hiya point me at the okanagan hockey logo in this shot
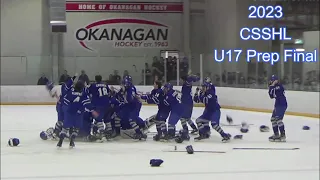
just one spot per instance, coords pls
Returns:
(125, 33)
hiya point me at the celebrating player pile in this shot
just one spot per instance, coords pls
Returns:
(98, 113)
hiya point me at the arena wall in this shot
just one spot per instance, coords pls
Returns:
(300, 103)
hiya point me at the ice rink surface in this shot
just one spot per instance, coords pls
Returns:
(128, 160)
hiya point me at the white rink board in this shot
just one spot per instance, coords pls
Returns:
(300, 103)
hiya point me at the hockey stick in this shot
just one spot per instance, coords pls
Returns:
(128, 135)
(266, 148)
(199, 151)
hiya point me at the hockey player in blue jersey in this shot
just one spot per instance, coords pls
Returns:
(276, 91)
(208, 80)
(65, 87)
(132, 107)
(100, 99)
(211, 113)
(173, 100)
(157, 97)
(53, 133)
(115, 112)
(187, 101)
(75, 102)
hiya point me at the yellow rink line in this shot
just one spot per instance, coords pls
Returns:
(317, 116)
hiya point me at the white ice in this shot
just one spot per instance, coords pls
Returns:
(127, 160)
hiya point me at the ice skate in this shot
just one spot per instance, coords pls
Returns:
(194, 132)
(274, 138)
(167, 137)
(71, 144)
(140, 136)
(226, 138)
(202, 137)
(283, 137)
(59, 144)
(157, 137)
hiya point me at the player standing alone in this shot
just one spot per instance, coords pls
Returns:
(276, 91)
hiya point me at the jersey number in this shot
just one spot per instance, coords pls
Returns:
(77, 99)
(273, 92)
(103, 91)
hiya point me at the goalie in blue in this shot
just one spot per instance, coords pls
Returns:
(276, 91)
(187, 101)
(211, 113)
(157, 97)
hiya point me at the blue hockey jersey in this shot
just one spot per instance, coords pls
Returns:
(186, 97)
(173, 99)
(100, 94)
(277, 92)
(65, 87)
(77, 102)
(209, 99)
(156, 97)
(129, 96)
(116, 104)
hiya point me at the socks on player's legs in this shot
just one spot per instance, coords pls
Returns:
(191, 124)
(184, 124)
(217, 127)
(164, 129)
(281, 126)
(58, 127)
(135, 126)
(158, 127)
(62, 135)
(117, 125)
(275, 126)
(203, 126)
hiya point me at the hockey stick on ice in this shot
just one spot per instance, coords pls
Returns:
(199, 151)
